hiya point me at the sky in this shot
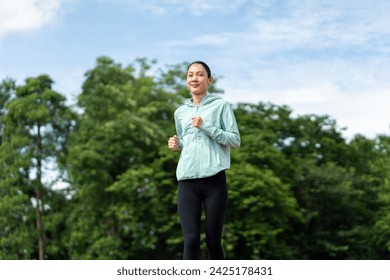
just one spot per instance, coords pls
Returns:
(329, 57)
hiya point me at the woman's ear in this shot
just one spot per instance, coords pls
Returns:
(210, 80)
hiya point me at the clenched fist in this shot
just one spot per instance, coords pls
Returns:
(174, 143)
(197, 122)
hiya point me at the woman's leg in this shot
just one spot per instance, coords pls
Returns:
(189, 208)
(215, 207)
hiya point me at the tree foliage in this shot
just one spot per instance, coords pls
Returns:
(35, 123)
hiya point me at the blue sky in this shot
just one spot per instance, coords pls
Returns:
(322, 57)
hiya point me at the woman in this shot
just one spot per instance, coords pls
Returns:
(206, 129)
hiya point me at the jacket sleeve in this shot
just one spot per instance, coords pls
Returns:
(179, 130)
(227, 135)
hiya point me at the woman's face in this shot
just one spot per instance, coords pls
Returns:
(197, 80)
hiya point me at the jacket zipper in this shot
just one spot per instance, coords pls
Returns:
(197, 167)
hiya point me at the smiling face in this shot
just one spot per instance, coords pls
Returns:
(197, 79)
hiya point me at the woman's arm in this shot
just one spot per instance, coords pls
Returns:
(228, 134)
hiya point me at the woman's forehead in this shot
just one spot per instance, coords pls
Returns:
(196, 68)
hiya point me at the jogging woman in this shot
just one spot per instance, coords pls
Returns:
(206, 130)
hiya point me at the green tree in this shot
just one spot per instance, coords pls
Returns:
(262, 209)
(36, 123)
(310, 157)
(371, 162)
(7, 88)
(124, 119)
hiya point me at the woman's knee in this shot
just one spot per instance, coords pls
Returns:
(191, 241)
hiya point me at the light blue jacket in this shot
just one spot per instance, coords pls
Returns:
(205, 151)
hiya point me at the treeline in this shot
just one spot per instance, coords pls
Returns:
(97, 181)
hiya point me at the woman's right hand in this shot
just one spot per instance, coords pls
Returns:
(174, 143)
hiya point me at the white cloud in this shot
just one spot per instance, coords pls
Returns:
(216, 40)
(354, 93)
(322, 24)
(302, 25)
(194, 7)
(26, 15)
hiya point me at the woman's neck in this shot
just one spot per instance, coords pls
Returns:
(197, 98)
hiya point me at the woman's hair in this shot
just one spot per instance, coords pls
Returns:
(204, 65)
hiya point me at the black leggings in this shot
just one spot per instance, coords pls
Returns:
(212, 193)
